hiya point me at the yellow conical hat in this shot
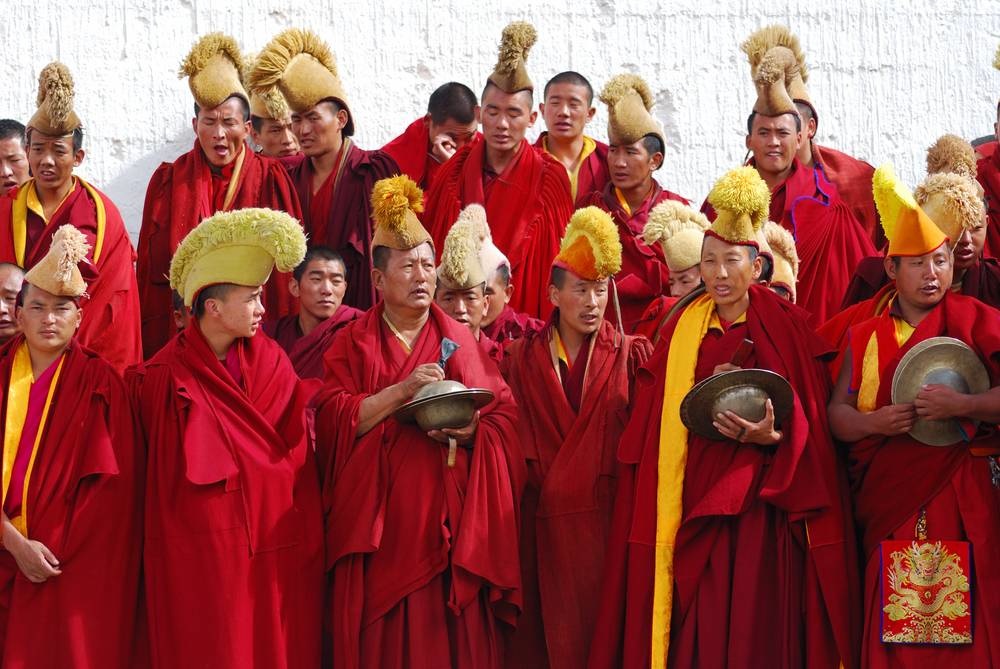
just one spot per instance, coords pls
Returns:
(951, 153)
(59, 271)
(510, 74)
(214, 69)
(953, 202)
(396, 201)
(777, 67)
(461, 265)
(760, 42)
(741, 200)
(629, 102)
(784, 255)
(590, 247)
(909, 230)
(679, 230)
(55, 116)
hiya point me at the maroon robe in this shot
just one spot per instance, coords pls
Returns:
(654, 318)
(988, 174)
(412, 155)
(510, 326)
(592, 175)
(306, 351)
(853, 179)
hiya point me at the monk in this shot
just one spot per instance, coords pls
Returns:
(567, 108)
(731, 552)
(218, 174)
(573, 385)
(233, 552)
(333, 177)
(525, 192)
(905, 490)
(54, 197)
(988, 174)
(502, 324)
(13, 156)
(319, 285)
(422, 556)
(451, 122)
(272, 133)
(72, 484)
(11, 278)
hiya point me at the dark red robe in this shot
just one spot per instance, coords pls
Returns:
(412, 155)
(988, 174)
(179, 196)
(511, 325)
(110, 325)
(766, 534)
(853, 179)
(306, 351)
(528, 207)
(566, 508)
(233, 557)
(422, 557)
(894, 477)
(592, 175)
(651, 323)
(85, 505)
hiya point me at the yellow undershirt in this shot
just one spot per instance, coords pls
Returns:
(35, 205)
(589, 146)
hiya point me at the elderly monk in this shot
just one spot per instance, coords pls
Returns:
(72, 483)
(422, 555)
(525, 192)
(13, 157)
(333, 177)
(912, 500)
(451, 122)
(233, 553)
(573, 384)
(319, 283)
(11, 278)
(54, 197)
(567, 108)
(218, 174)
(739, 551)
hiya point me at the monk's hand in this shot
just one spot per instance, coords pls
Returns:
(443, 147)
(463, 435)
(892, 420)
(937, 402)
(33, 558)
(744, 431)
(725, 367)
(420, 377)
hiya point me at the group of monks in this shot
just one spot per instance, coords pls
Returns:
(209, 456)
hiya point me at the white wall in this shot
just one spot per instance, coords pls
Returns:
(887, 78)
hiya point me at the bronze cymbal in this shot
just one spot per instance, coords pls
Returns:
(742, 391)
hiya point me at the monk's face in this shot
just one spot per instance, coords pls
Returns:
(319, 129)
(48, 321)
(581, 303)
(969, 247)
(13, 163)
(683, 282)
(631, 165)
(11, 278)
(922, 281)
(321, 288)
(567, 110)
(728, 271)
(498, 294)
(774, 141)
(450, 133)
(52, 160)
(467, 306)
(506, 118)
(236, 313)
(276, 139)
(408, 281)
(222, 131)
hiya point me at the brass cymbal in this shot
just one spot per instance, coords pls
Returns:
(443, 404)
(742, 391)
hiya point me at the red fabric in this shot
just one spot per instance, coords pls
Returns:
(423, 557)
(347, 225)
(988, 173)
(652, 320)
(411, 152)
(490, 348)
(527, 207)
(593, 175)
(511, 325)
(894, 477)
(85, 505)
(306, 352)
(758, 525)
(853, 179)
(566, 509)
(233, 551)
(110, 325)
(178, 198)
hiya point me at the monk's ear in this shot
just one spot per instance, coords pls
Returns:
(194, 125)
(811, 128)
(758, 268)
(508, 292)
(554, 296)
(343, 117)
(78, 157)
(293, 287)
(890, 268)
(746, 142)
(532, 118)
(378, 279)
(590, 114)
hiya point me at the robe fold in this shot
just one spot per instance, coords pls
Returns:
(233, 556)
(894, 477)
(527, 206)
(764, 561)
(110, 324)
(591, 174)
(566, 509)
(423, 558)
(853, 179)
(988, 174)
(180, 195)
(650, 324)
(83, 500)
(306, 351)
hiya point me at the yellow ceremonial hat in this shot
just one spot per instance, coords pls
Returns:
(910, 231)
(301, 66)
(679, 230)
(461, 265)
(510, 74)
(213, 68)
(396, 201)
(55, 116)
(777, 67)
(954, 202)
(268, 104)
(741, 200)
(951, 153)
(629, 102)
(59, 271)
(241, 247)
(491, 257)
(784, 255)
(759, 43)
(590, 247)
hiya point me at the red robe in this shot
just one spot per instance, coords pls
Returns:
(422, 557)
(592, 175)
(233, 557)
(510, 326)
(766, 534)
(894, 477)
(179, 196)
(654, 318)
(527, 207)
(84, 503)
(988, 173)
(306, 351)
(338, 214)
(566, 509)
(853, 179)
(411, 153)
(644, 275)
(110, 324)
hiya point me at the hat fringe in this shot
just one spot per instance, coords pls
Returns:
(958, 194)
(669, 218)
(619, 86)
(55, 90)
(890, 198)
(742, 192)
(72, 247)
(951, 153)
(515, 43)
(758, 44)
(275, 57)
(392, 198)
(206, 48)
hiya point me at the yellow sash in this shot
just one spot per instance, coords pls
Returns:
(871, 373)
(234, 181)
(19, 222)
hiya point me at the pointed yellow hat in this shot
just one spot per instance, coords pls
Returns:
(629, 102)
(777, 67)
(267, 104)
(510, 74)
(214, 69)
(396, 201)
(590, 248)
(680, 232)
(760, 42)
(953, 202)
(461, 265)
(55, 116)
(910, 231)
(59, 271)
(784, 255)
(741, 200)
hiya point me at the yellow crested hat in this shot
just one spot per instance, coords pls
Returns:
(759, 43)
(777, 67)
(784, 255)
(59, 271)
(590, 247)
(461, 263)
(214, 67)
(396, 201)
(910, 231)
(629, 102)
(742, 201)
(55, 116)
(952, 201)
(510, 74)
(679, 230)
(267, 104)
(241, 247)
